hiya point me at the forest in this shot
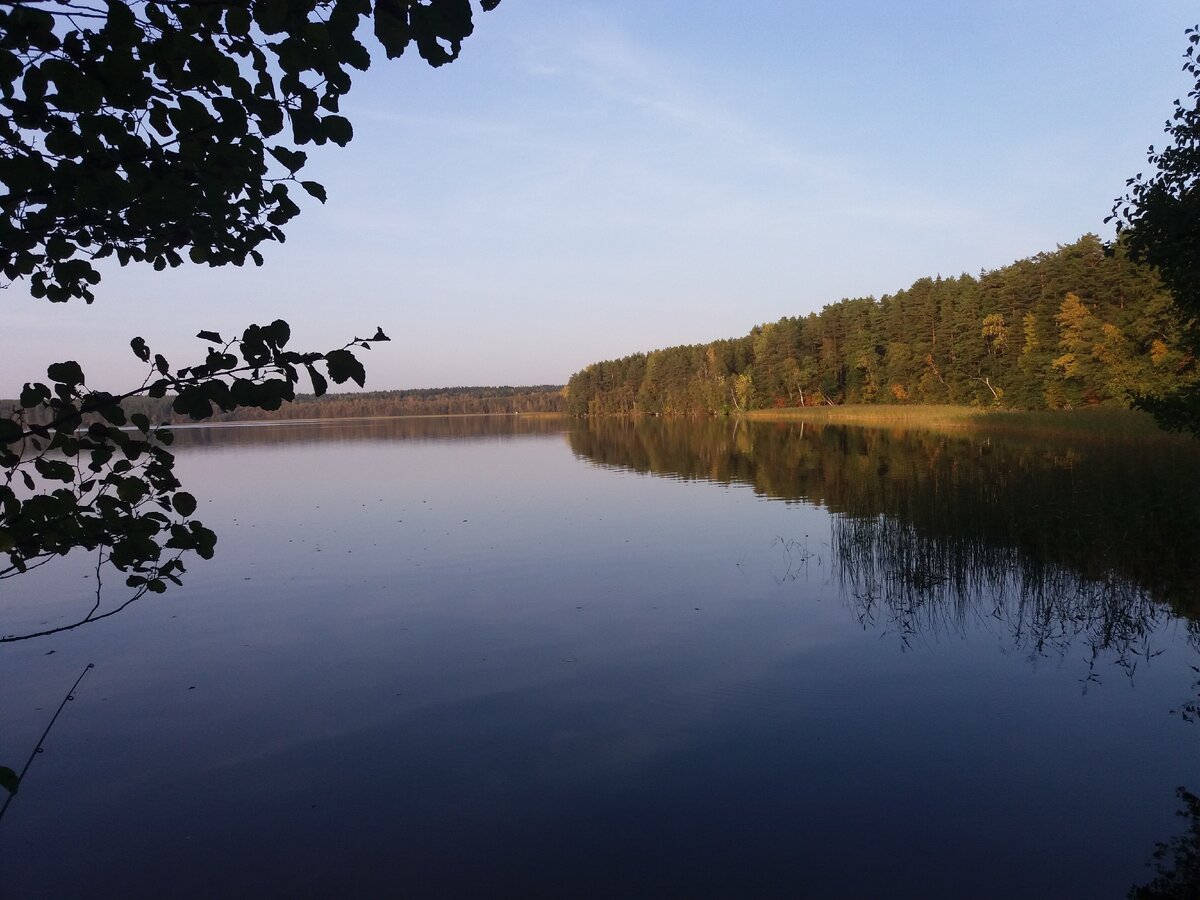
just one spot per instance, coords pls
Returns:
(1080, 326)
(452, 401)
(542, 398)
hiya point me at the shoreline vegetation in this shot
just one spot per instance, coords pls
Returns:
(549, 403)
(1081, 326)
(1095, 423)
(1098, 422)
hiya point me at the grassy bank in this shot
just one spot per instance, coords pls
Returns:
(1093, 422)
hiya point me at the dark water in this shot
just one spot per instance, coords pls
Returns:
(491, 658)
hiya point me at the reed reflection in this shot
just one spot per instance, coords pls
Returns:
(1058, 543)
(1056, 539)
(900, 580)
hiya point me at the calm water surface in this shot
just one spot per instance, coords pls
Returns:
(474, 657)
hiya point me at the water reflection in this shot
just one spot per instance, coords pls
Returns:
(1050, 541)
(1054, 543)
(1176, 861)
(596, 682)
(921, 586)
(399, 428)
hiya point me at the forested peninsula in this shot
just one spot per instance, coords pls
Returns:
(1080, 326)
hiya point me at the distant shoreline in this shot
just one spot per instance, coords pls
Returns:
(323, 420)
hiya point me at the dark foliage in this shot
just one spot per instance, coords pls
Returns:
(1177, 860)
(79, 473)
(147, 131)
(1159, 219)
(153, 130)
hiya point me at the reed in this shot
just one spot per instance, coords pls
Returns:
(1095, 422)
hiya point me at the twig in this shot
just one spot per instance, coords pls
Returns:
(45, 734)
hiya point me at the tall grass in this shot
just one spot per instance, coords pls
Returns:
(1093, 422)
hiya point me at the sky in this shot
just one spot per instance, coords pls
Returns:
(594, 179)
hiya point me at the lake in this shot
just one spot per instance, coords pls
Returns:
(505, 657)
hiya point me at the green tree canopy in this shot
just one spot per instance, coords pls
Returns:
(1159, 220)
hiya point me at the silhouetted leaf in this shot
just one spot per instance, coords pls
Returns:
(338, 129)
(193, 404)
(320, 385)
(278, 333)
(131, 490)
(293, 160)
(184, 503)
(34, 394)
(67, 372)
(344, 366)
(54, 469)
(315, 189)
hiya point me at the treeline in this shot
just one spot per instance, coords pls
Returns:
(543, 398)
(1080, 326)
(455, 401)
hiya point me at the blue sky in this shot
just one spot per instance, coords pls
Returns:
(591, 179)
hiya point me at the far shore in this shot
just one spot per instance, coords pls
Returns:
(1096, 422)
(318, 420)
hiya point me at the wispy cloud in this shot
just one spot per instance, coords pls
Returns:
(715, 121)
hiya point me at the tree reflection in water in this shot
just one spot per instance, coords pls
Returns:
(1176, 861)
(1056, 542)
(1060, 537)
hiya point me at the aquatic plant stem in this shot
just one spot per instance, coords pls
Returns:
(45, 734)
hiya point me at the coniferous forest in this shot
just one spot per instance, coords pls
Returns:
(1080, 326)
